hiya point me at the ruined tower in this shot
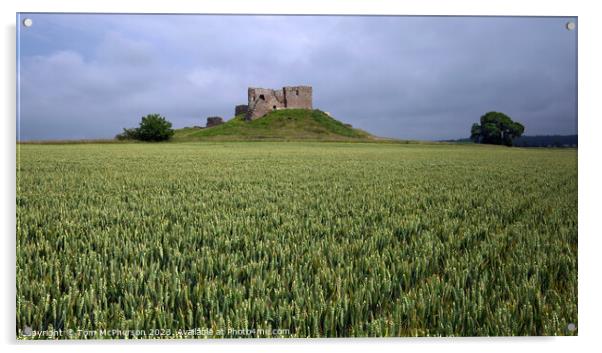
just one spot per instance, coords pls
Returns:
(263, 100)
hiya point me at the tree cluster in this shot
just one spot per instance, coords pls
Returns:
(153, 127)
(497, 129)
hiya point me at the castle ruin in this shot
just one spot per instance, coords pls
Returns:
(214, 121)
(263, 100)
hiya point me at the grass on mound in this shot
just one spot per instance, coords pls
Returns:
(289, 124)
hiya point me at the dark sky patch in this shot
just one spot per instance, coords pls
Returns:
(88, 76)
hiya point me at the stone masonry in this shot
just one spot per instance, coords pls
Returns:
(241, 109)
(264, 100)
(214, 121)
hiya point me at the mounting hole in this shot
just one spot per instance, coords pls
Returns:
(571, 327)
(570, 25)
(28, 22)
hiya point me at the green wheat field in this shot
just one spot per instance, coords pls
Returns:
(287, 239)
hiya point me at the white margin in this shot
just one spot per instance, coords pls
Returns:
(590, 233)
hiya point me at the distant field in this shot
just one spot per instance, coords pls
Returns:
(320, 239)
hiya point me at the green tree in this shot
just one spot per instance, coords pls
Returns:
(497, 129)
(128, 134)
(153, 127)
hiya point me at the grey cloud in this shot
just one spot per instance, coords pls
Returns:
(406, 77)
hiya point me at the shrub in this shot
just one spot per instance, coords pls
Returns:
(153, 127)
(128, 134)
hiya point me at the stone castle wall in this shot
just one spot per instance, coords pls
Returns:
(241, 109)
(263, 100)
(298, 97)
(214, 121)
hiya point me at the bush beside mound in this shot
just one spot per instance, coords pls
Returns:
(153, 128)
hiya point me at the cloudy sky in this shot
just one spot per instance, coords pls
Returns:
(88, 76)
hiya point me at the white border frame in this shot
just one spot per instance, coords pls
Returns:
(589, 171)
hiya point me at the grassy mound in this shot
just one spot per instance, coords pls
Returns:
(288, 124)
